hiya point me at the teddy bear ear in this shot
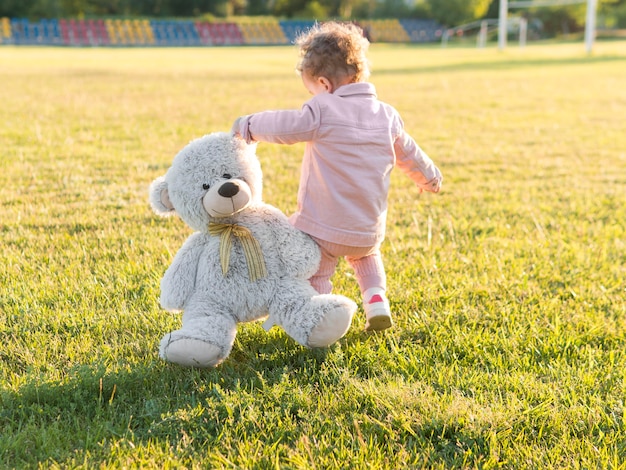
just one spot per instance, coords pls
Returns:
(159, 197)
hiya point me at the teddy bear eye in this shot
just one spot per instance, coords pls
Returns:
(227, 176)
(206, 186)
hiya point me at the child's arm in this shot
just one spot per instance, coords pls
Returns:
(179, 280)
(279, 127)
(418, 166)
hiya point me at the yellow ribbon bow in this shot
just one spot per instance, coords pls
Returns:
(250, 245)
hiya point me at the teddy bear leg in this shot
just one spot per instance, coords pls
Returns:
(189, 352)
(335, 322)
(201, 343)
(313, 320)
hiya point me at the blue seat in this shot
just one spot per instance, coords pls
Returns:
(49, 32)
(173, 34)
(54, 31)
(45, 32)
(422, 30)
(33, 34)
(189, 33)
(162, 32)
(292, 29)
(156, 31)
(17, 30)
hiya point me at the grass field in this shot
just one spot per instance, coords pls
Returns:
(508, 287)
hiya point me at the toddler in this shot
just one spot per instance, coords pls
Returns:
(353, 141)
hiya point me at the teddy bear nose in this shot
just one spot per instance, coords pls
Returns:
(228, 189)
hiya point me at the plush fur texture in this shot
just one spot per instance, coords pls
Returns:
(218, 179)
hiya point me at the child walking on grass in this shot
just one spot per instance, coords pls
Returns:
(353, 141)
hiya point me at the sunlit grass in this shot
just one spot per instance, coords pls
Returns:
(508, 286)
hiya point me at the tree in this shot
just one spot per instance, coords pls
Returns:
(288, 8)
(15, 8)
(619, 13)
(456, 12)
(391, 9)
(257, 7)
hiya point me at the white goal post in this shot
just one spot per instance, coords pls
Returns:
(590, 21)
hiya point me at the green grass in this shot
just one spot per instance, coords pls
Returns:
(508, 287)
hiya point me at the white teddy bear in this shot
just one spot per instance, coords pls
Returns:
(243, 262)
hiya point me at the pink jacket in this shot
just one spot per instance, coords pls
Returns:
(353, 141)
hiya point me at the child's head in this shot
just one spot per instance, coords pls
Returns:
(334, 51)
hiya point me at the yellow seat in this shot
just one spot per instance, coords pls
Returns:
(5, 29)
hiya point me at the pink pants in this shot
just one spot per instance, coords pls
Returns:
(366, 261)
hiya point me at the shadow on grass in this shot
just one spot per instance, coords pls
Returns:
(93, 412)
(93, 407)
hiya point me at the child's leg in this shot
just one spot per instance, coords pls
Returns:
(370, 274)
(321, 279)
(369, 271)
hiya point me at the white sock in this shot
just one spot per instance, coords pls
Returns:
(371, 292)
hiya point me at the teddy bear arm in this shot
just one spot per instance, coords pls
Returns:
(298, 253)
(179, 280)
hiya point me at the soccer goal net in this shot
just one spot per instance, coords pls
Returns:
(505, 5)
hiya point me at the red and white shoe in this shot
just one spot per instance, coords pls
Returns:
(377, 311)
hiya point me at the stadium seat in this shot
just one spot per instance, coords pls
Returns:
(5, 31)
(218, 34)
(136, 32)
(422, 30)
(249, 33)
(97, 33)
(110, 28)
(72, 33)
(44, 32)
(157, 31)
(35, 33)
(202, 27)
(127, 33)
(292, 29)
(189, 33)
(51, 32)
(64, 31)
(384, 31)
(262, 33)
(175, 33)
(78, 32)
(18, 30)
(120, 32)
(81, 31)
(144, 32)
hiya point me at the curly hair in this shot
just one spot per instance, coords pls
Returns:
(334, 50)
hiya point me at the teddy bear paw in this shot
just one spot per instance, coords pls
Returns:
(333, 326)
(189, 352)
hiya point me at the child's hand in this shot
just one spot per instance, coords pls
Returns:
(235, 129)
(433, 186)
